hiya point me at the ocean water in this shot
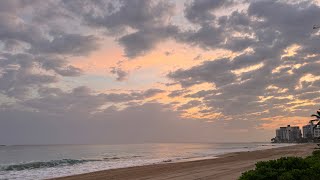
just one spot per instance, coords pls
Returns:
(48, 161)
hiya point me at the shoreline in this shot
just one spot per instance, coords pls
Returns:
(225, 166)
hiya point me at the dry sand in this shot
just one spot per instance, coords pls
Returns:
(228, 166)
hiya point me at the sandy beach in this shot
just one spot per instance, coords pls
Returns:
(225, 167)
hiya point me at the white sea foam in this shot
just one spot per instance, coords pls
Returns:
(44, 173)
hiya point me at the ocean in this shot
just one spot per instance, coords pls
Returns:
(49, 161)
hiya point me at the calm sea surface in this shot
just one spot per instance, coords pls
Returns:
(47, 161)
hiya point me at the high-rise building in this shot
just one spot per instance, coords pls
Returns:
(312, 130)
(293, 133)
(316, 132)
(281, 134)
(307, 131)
(288, 134)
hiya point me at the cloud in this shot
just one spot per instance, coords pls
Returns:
(38, 51)
(177, 93)
(135, 95)
(157, 123)
(190, 104)
(217, 72)
(14, 28)
(67, 44)
(59, 66)
(168, 53)
(152, 92)
(141, 42)
(266, 30)
(121, 74)
(82, 99)
(201, 11)
(206, 37)
(17, 78)
(122, 14)
(138, 24)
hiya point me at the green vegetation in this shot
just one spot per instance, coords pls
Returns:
(286, 168)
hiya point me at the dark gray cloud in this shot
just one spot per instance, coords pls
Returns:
(289, 19)
(41, 38)
(138, 24)
(121, 14)
(58, 65)
(17, 78)
(178, 93)
(206, 37)
(215, 31)
(190, 104)
(13, 28)
(67, 44)
(142, 41)
(135, 95)
(239, 44)
(202, 11)
(217, 72)
(82, 99)
(152, 92)
(121, 75)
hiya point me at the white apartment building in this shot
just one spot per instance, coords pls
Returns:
(289, 134)
(307, 131)
(316, 132)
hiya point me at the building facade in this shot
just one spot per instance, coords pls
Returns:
(292, 134)
(316, 132)
(307, 131)
(288, 134)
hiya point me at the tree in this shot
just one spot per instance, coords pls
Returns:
(316, 115)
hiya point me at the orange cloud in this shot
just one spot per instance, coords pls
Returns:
(275, 122)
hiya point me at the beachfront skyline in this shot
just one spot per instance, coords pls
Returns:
(134, 71)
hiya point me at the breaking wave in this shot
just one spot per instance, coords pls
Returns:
(120, 157)
(46, 164)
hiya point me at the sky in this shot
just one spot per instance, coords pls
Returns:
(141, 71)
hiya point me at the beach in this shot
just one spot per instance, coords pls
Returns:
(227, 166)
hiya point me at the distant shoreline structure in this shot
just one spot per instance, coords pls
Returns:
(292, 134)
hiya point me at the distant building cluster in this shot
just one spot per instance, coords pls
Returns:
(288, 134)
(292, 134)
(311, 130)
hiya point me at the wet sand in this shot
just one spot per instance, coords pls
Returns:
(228, 166)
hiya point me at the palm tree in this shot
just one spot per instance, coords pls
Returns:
(318, 123)
(316, 115)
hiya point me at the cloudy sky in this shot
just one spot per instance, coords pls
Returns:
(135, 71)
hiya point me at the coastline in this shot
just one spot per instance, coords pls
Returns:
(226, 166)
